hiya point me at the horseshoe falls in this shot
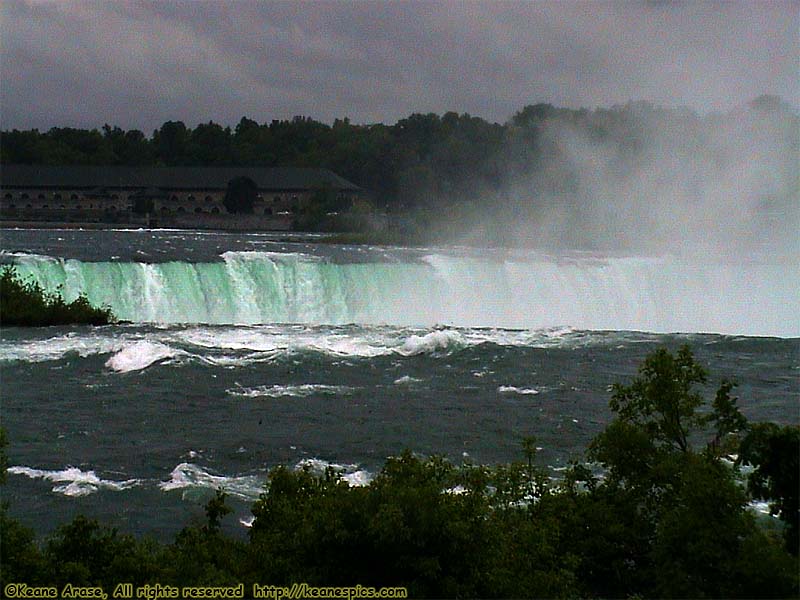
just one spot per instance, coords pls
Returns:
(661, 294)
(240, 352)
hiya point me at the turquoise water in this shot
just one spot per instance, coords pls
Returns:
(245, 352)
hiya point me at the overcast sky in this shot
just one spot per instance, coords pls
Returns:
(138, 64)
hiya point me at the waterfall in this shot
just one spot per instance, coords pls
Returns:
(660, 294)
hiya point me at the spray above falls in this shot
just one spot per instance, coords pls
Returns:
(634, 178)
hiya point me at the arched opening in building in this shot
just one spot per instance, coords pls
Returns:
(45, 206)
(198, 210)
(215, 211)
(174, 198)
(28, 207)
(40, 197)
(209, 199)
(8, 196)
(181, 209)
(190, 198)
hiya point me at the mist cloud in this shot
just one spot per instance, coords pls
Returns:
(643, 179)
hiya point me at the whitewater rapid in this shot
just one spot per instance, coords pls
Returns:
(658, 294)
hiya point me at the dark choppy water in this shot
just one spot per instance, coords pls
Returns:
(138, 423)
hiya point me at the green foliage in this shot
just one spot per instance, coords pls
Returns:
(216, 509)
(20, 557)
(658, 413)
(400, 530)
(26, 304)
(202, 555)
(86, 553)
(775, 453)
(689, 514)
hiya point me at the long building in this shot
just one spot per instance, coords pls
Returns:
(182, 196)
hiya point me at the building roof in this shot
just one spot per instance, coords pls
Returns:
(200, 178)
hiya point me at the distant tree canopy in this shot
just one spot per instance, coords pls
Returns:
(240, 195)
(424, 160)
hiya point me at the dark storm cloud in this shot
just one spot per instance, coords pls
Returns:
(139, 64)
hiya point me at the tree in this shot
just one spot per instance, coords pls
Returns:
(240, 195)
(171, 143)
(660, 407)
(775, 453)
(677, 499)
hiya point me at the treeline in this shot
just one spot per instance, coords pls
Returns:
(667, 518)
(424, 159)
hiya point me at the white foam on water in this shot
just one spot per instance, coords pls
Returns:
(761, 508)
(247, 521)
(510, 389)
(440, 341)
(58, 347)
(265, 339)
(72, 481)
(140, 355)
(354, 476)
(406, 380)
(295, 391)
(188, 475)
(346, 345)
(7, 256)
(244, 345)
(260, 255)
(281, 340)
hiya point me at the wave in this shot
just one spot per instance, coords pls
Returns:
(189, 476)
(663, 294)
(140, 355)
(134, 348)
(443, 341)
(406, 380)
(295, 391)
(510, 389)
(130, 348)
(74, 482)
(55, 348)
